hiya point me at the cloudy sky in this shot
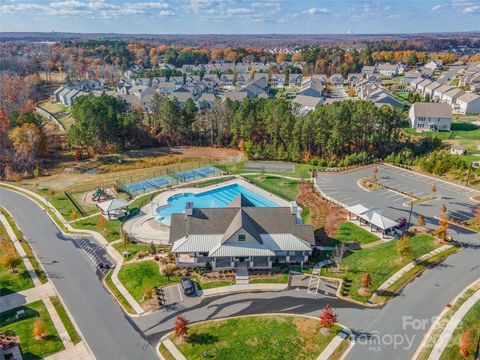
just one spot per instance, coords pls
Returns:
(240, 16)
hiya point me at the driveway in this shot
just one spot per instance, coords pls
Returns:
(108, 332)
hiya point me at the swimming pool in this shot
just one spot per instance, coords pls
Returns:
(215, 198)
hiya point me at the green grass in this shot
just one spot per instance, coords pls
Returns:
(214, 284)
(33, 260)
(141, 276)
(285, 188)
(132, 249)
(61, 202)
(12, 282)
(461, 130)
(302, 171)
(32, 349)
(67, 322)
(350, 232)
(283, 279)
(167, 355)
(260, 337)
(111, 232)
(117, 294)
(379, 262)
(471, 321)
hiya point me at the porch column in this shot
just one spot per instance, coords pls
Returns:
(232, 262)
(287, 258)
(269, 262)
(214, 263)
(250, 260)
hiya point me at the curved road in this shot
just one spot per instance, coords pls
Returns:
(109, 333)
(392, 332)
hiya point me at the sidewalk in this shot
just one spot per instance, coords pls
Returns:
(173, 349)
(392, 279)
(77, 352)
(452, 324)
(20, 251)
(57, 322)
(332, 346)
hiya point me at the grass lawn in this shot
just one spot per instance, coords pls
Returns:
(132, 249)
(32, 349)
(213, 284)
(285, 188)
(61, 202)
(470, 321)
(111, 232)
(33, 260)
(12, 282)
(380, 262)
(261, 337)
(351, 232)
(302, 171)
(141, 276)
(118, 295)
(67, 322)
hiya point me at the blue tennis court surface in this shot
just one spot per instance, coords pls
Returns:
(161, 182)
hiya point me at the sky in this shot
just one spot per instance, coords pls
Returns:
(240, 16)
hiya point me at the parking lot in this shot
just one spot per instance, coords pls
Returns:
(343, 187)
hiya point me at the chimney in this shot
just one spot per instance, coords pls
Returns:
(189, 208)
(293, 208)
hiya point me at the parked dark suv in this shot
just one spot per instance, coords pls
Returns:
(188, 287)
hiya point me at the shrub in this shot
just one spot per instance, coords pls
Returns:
(208, 267)
(39, 329)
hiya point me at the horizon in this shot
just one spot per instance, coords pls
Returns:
(239, 17)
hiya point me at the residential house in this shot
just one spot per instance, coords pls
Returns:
(182, 97)
(415, 82)
(434, 65)
(242, 79)
(438, 93)
(430, 116)
(353, 79)
(388, 70)
(430, 88)
(411, 75)
(235, 95)
(369, 70)
(468, 103)
(226, 80)
(422, 86)
(337, 79)
(240, 235)
(322, 78)
(306, 104)
(166, 87)
(177, 80)
(207, 99)
(277, 80)
(312, 87)
(294, 80)
(450, 97)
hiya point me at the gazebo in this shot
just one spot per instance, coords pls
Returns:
(116, 207)
(371, 217)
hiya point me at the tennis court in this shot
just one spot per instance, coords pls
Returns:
(142, 186)
(270, 166)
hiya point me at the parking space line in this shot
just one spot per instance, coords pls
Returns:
(180, 292)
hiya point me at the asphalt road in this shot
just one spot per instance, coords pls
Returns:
(108, 332)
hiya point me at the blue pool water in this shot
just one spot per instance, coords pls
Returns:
(215, 198)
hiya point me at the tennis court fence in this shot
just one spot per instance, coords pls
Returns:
(166, 180)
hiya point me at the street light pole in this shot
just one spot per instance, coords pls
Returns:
(411, 209)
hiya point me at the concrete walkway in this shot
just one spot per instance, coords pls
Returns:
(392, 279)
(20, 251)
(28, 296)
(452, 324)
(332, 346)
(77, 352)
(173, 349)
(57, 322)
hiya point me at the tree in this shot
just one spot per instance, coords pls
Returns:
(10, 260)
(375, 174)
(434, 189)
(74, 215)
(39, 329)
(421, 220)
(441, 231)
(328, 318)
(403, 246)
(366, 281)
(465, 343)
(443, 208)
(169, 270)
(101, 223)
(181, 326)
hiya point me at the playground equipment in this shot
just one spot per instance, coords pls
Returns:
(99, 194)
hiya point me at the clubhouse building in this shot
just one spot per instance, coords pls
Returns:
(240, 234)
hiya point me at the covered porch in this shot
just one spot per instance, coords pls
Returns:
(371, 219)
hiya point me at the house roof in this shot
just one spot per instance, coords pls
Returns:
(433, 85)
(242, 221)
(440, 110)
(468, 97)
(310, 101)
(240, 201)
(113, 204)
(442, 89)
(454, 92)
(208, 97)
(235, 95)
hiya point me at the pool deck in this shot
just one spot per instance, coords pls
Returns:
(145, 228)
